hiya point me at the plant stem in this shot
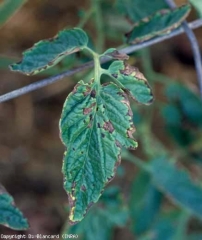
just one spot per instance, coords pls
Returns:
(97, 67)
(50, 80)
(99, 25)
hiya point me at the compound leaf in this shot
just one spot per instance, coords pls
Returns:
(131, 80)
(177, 184)
(10, 215)
(90, 128)
(48, 53)
(136, 10)
(160, 23)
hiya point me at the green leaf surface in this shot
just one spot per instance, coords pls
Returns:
(160, 23)
(144, 204)
(8, 8)
(10, 215)
(198, 5)
(132, 81)
(195, 236)
(177, 184)
(136, 10)
(90, 128)
(47, 53)
(99, 224)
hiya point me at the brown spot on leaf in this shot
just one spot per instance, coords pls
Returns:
(83, 188)
(119, 56)
(93, 93)
(88, 110)
(102, 135)
(118, 144)
(98, 125)
(88, 89)
(130, 113)
(108, 127)
(130, 132)
(130, 70)
(114, 75)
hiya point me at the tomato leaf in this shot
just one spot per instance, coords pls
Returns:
(131, 80)
(90, 128)
(177, 184)
(160, 23)
(10, 215)
(136, 10)
(47, 53)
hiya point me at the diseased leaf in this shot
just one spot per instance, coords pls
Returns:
(8, 8)
(115, 54)
(160, 23)
(10, 215)
(90, 128)
(177, 184)
(131, 80)
(47, 53)
(99, 224)
(136, 10)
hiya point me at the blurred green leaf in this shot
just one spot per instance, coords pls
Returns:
(189, 103)
(144, 203)
(99, 223)
(5, 62)
(198, 5)
(47, 53)
(160, 23)
(195, 236)
(177, 184)
(10, 215)
(8, 8)
(172, 115)
(166, 227)
(136, 10)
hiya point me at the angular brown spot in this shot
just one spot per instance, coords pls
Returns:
(88, 110)
(130, 132)
(118, 144)
(117, 55)
(102, 135)
(133, 71)
(114, 75)
(93, 93)
(83, 188)
(98, 125)
(108, 127)
(88, 89)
